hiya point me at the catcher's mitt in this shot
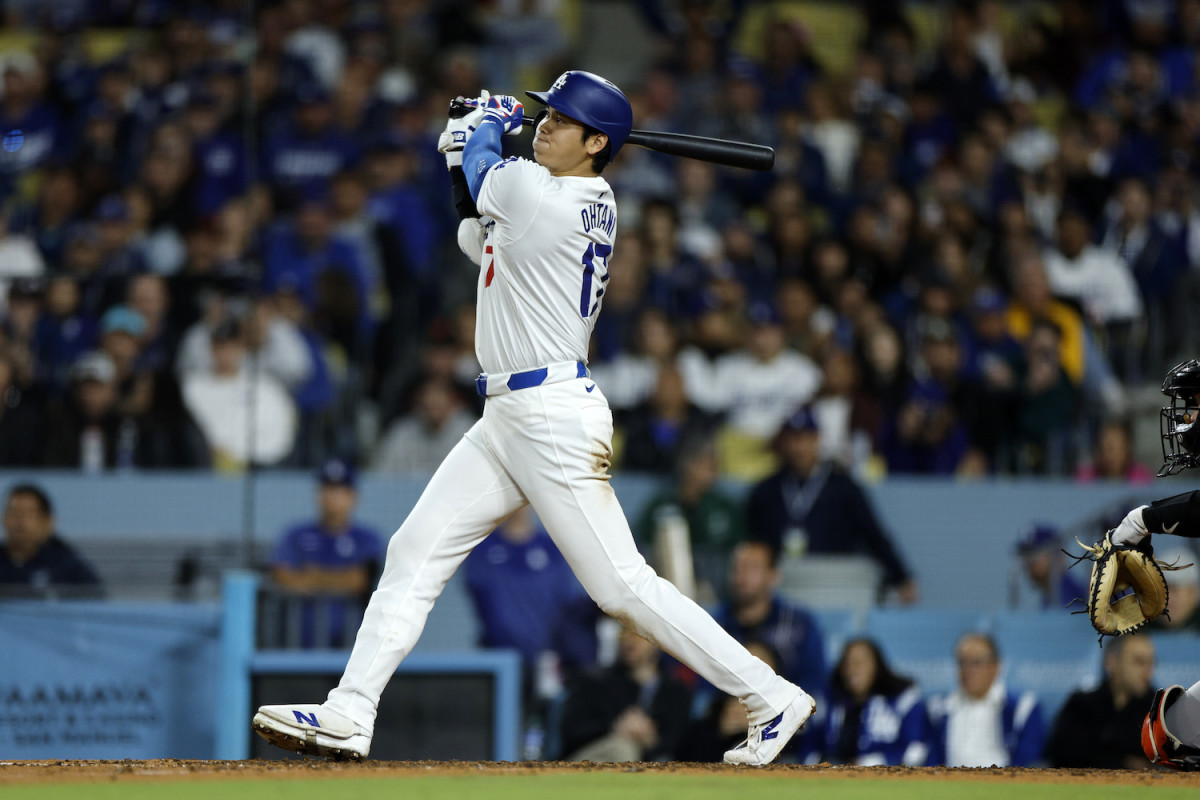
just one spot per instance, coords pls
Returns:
(1113, 610)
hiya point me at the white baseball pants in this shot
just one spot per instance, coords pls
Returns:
(549, 446)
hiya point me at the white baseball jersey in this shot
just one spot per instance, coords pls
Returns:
(560, 231)
(543, 270)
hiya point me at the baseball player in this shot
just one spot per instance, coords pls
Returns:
(543, 247)
(1171, 730)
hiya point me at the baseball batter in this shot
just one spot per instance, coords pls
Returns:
(543, 247)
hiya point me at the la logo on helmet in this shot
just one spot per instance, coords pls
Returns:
(561, 82)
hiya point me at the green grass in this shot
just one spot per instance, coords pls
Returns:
(589, 786)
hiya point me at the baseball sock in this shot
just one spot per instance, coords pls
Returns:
(1183, 718)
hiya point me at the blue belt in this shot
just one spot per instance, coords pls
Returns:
(496, 384)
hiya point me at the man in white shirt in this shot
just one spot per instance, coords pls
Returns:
(982, 724)
(227, 400)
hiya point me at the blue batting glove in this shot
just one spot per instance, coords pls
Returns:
(505, 109)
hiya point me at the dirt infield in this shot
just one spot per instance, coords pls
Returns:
(14, 773)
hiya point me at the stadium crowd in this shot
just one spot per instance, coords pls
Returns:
(227, 237)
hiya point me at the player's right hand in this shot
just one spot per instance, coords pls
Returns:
(507, 110)
(1131, 530)
(465, 115)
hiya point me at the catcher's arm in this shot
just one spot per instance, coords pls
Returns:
(1178, 515)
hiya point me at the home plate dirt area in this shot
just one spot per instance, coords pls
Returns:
(14, 773)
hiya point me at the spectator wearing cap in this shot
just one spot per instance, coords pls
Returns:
(34, 560)
(1043, 566)
(219, 155)
(815, 506)
(756, 389)
(19, 258)
(119, 256)
(332, 561)
(304, 155)
(928, 434)
(231, 403)
(994, 361)
(84, 429)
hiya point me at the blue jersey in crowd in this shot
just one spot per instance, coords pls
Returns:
(890, 730)
(310, 545)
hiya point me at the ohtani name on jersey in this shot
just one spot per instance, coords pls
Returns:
(599, 215)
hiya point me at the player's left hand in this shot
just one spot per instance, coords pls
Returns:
(507, 110)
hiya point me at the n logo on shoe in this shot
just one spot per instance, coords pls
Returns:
(312, 719)
(769, 732)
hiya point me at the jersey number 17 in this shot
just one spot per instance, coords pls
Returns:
(595, 275)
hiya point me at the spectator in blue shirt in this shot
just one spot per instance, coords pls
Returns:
(305, 155)
(528, 599)
(331, 563)
(756, 612)
(218, 156)
(303, 255)
(873, 716)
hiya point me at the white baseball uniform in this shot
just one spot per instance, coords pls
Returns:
(545, 439)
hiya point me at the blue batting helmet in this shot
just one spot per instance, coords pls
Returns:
(593, 101)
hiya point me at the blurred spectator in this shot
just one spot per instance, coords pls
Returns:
(928, 434)
(994, 361)
(629, 378)
(874, 717)
(246, 415)
(982, 723)
(34, 560)
(1048, 405)
(1100, 283)
(715, 521)
(515, 577)
(755, 611)
(1099, 728)
(755, 389)
(656, 431)
(811, 505)
(419, 441)
(1112, 457)
(149, 296)
(302, 157)
(86, 431)
(21, 421)
(333, 560)
(847, 414)
(304, 256)
(32, 128)
(19, 257)
(1044, 568)
(630, 711)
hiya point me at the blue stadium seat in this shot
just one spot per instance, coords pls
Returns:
(1050, 653)
(919, 642)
